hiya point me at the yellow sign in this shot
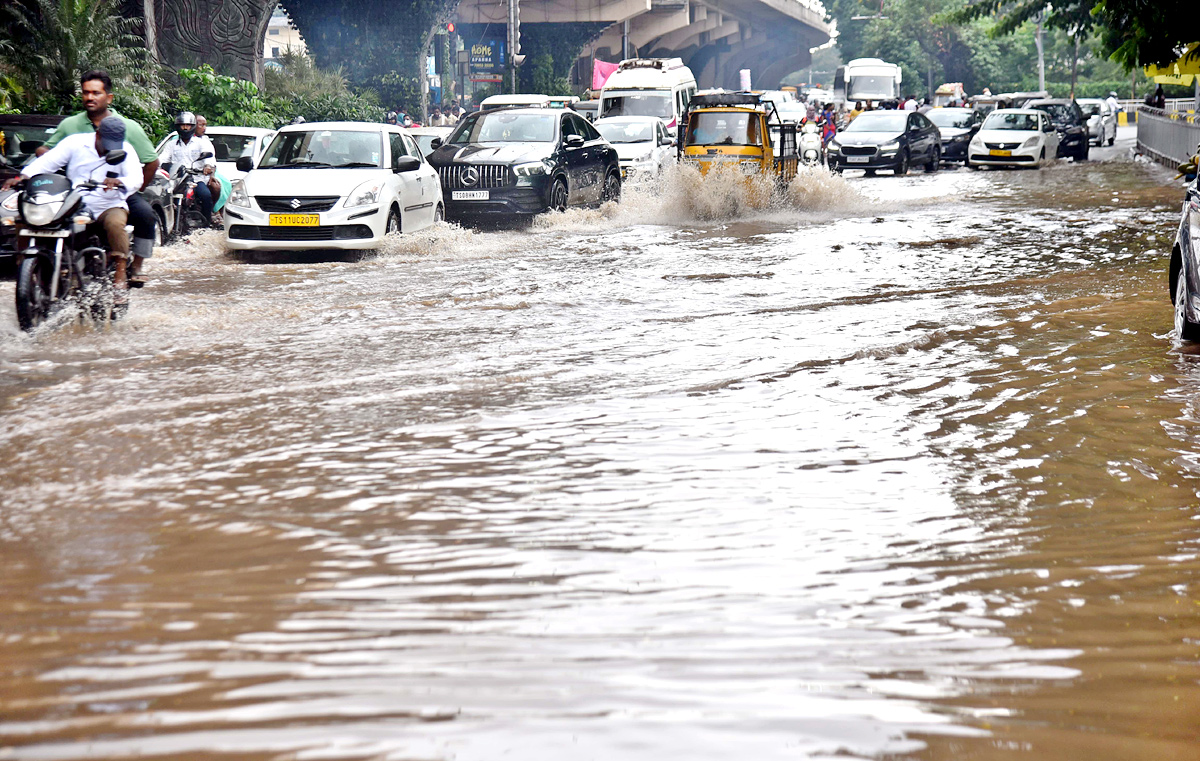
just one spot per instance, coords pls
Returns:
(295, 220)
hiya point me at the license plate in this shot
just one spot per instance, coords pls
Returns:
(469, 195)
(858, 159)
(295, 220)
(999, 153)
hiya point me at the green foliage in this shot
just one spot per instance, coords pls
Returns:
(298, 77)
(542, 79)
(396, 91)
(54, 41)
(550, 51)
(222, 99)
(1140, 33)
(329, 107)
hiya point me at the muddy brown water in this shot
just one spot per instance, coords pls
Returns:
(903, 468)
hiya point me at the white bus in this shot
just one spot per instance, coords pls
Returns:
(658, 87)
(866, 79)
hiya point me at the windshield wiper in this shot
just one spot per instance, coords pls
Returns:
(356, 165)
(299, 162)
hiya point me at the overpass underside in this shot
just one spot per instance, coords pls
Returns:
(715, 38)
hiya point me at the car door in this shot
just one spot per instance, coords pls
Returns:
(1050, 133)
(427, 180)
(405, 186)
(595, 156)
(664, 150)
(918, 143)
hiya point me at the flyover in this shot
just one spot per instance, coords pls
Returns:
(715, 38)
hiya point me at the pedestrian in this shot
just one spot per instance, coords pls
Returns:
(858, 109)
(1160, 99)
(910, 104)
(925, 107)
(829, 124)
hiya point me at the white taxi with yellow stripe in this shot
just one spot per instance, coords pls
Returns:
(1014, 137)
(339, 185)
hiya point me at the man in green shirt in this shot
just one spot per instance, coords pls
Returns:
(96, 91)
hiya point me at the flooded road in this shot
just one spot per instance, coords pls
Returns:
(903, 468)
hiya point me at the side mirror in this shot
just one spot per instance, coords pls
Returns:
(112, 158)
(406, 164)
(205, 155)
(435, 143)
(574, 141)
(245, 164)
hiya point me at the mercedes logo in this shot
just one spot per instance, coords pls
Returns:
(295, 204)
(470, 176)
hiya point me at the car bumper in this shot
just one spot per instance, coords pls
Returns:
(501, 202)
(877, 161)
(250, 230)
(954, 151)
(1020, 156)
(1071, 144)
(634, 172)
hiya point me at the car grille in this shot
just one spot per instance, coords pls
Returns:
(306, 203)
(858, 150)
(300, 234)
(490, 176)
(983, 157)
(1003, 146)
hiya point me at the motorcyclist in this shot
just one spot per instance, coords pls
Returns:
(96, 91)
(186, 152)
(83, 155)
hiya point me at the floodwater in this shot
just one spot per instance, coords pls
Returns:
(902, 468)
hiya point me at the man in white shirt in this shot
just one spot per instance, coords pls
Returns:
(911, 104)
(186, 151)
(83, 155)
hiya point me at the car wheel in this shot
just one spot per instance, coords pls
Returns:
(1185, 330)
(612, 188)
(1112, 140)
(393, 222)
(1042, 158)
(161, 233)
(935, 162)
(439, 214)
(1082, 153)
(902, 165)
(559, 196)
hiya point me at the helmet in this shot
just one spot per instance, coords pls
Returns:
(1112, 94)
(185, 117)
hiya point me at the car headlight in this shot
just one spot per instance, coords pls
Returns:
(530, 169)
(1194, 222)
(38, 214)
(10, 203)
(834, 145)
(892, 146)
(646, 157)
(365, 194)
(238, 196)
(1031, 142)
(960, 138)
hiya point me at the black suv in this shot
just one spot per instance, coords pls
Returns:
(514, 163)
(1070, 123)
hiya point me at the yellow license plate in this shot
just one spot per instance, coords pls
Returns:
(295, 220)
(1000, 153)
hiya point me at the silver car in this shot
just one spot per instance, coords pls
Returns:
(1101, 120)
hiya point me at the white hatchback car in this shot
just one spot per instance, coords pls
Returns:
(644, 146)
(1014, 137)
(338, 185)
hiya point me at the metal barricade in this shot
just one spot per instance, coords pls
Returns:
(1168, 137)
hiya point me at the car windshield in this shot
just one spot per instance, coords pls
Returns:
(878, 121)
(1090, 109)
(425, 143)
(1000, 120)
(951, 117)
(18, 142)
(868, 87)
(630, 132)
(231, 147)
(1059, 112)
(324, 148)
(650, 104)
(506, 127)
(723, 128)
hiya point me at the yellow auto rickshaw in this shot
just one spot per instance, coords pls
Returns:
(740, 129)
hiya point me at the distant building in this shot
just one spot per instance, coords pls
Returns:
(281, 37)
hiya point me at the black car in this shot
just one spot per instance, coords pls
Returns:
(957, 126)
(514, 163)
(1184, 271)
(1070, 123)
(886, 140)
(20, 136)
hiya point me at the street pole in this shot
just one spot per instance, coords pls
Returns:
(625, 40)
(513, 34)
(1041, 54)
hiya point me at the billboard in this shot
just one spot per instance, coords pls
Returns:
(487, 58)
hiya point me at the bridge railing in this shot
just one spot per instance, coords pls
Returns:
(1169, 137)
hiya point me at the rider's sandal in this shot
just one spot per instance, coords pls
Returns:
(136, 282)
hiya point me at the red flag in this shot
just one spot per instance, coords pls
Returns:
(601, 71)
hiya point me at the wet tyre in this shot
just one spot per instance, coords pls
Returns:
(393, 222)
(1112, 140)
(1185, 330)
(612, 188)
(439, 214)
(935, 162)
(559, 195)
(1082, 153)
(33, 293)
(902, 165)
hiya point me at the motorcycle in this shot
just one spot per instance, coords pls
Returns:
(812, 151)
(60, 257)
(183, 187)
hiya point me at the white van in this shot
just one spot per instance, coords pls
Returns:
(658, 87)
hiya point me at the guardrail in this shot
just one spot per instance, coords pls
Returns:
(1168, 137)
